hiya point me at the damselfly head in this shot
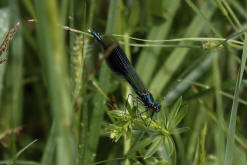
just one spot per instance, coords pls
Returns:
(156, 107)
(95, 34)
(148, 100)
(105, 40)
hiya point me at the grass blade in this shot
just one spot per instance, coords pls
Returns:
(51, 44)
(232, 125)
(47, 157)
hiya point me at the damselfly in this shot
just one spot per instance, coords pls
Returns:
(120, 64)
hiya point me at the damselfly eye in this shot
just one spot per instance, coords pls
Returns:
(157, 107)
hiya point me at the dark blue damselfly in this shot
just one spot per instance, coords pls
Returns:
(120, 64)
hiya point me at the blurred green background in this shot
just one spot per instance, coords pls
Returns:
(50, 113)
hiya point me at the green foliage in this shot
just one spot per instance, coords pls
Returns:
(56, 87)
(156, 132)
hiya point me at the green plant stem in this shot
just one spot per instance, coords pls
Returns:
(127, 140)
(219, 105)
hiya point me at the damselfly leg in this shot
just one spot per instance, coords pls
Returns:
(138, 101)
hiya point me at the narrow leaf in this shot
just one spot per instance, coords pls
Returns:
(154, 147)
(140, 145)
(169, 147)
(232, 126)
(180, 130)
(172, 115)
